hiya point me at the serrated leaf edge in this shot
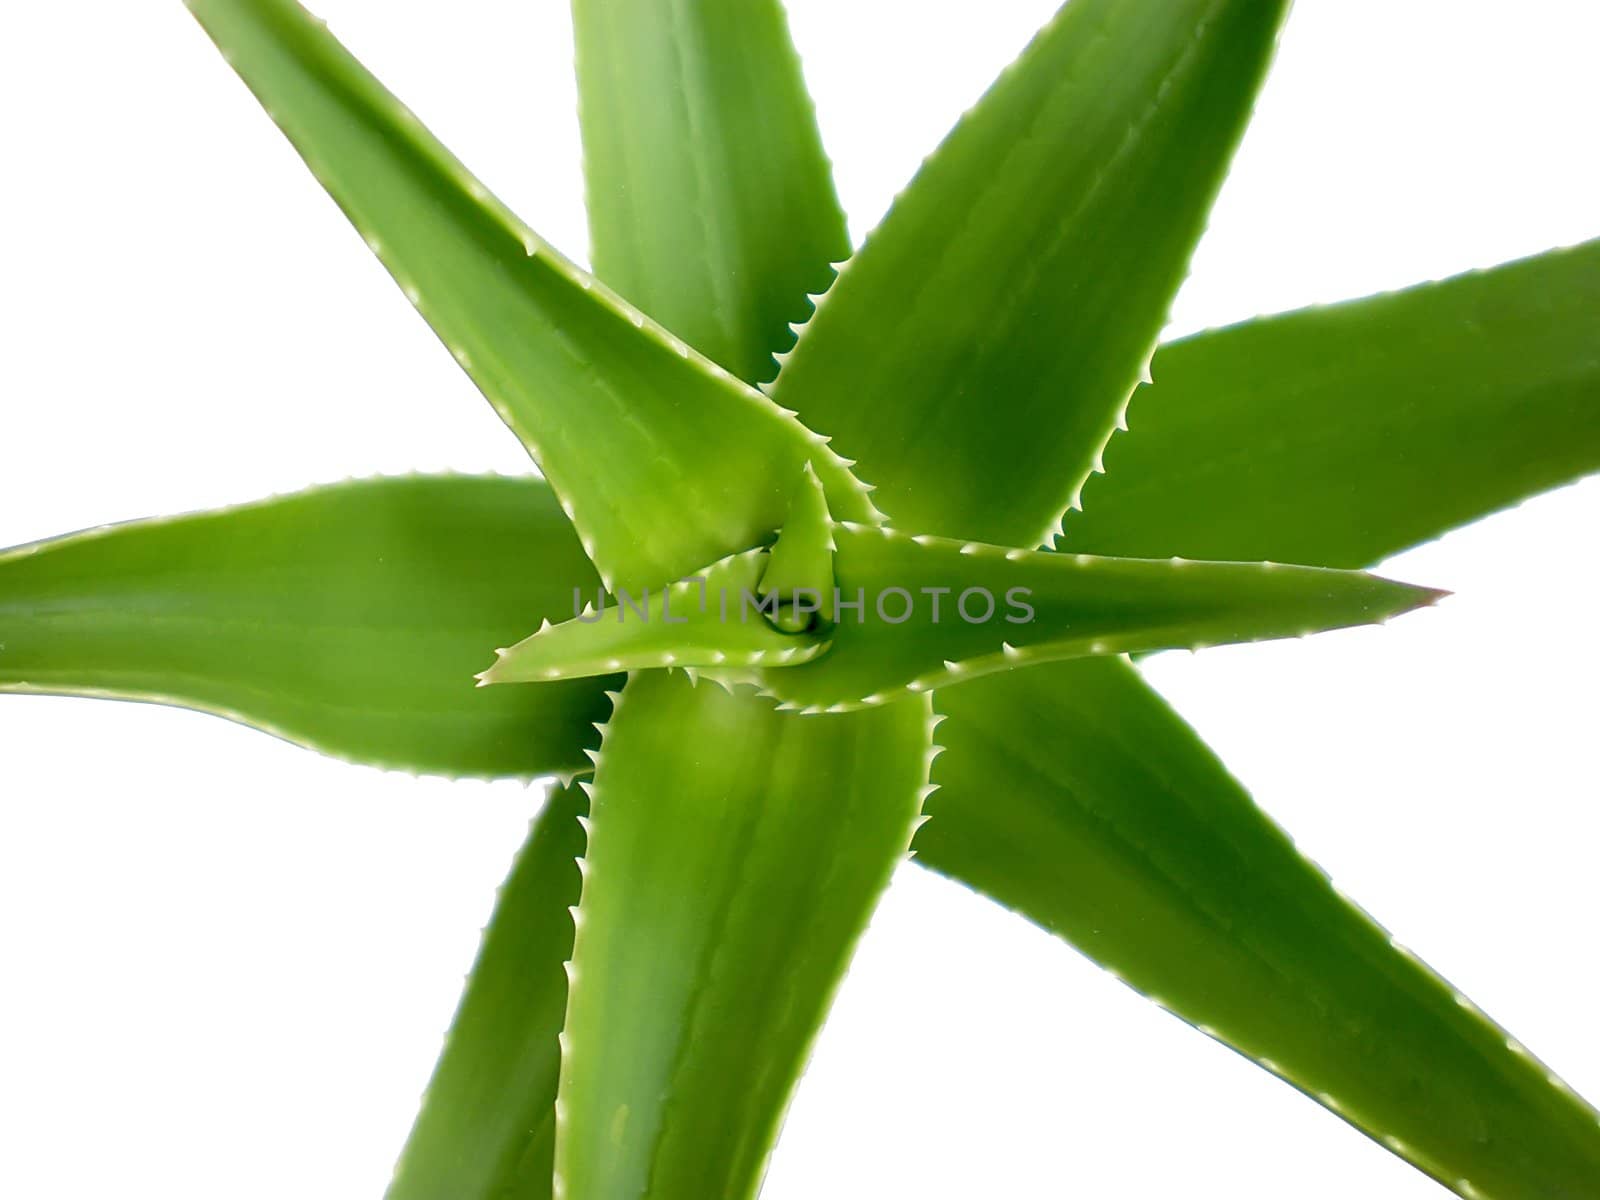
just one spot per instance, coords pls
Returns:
(501, 215)
(920, 817)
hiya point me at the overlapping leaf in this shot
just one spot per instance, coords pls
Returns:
(899, 421)
(714, 620)
(695, 464)
(1333, 435)
(1115, 127)
(759, 608)
(737, 1084)
(348, 618)
(734, 856)
(932, 612)
(977, 353)
(800, 568)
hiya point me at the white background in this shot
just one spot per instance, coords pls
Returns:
(225, 964)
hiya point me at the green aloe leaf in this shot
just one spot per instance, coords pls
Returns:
(760, 608)
(715, 620)
(696, 465)
(1027, 314)
(711, 205)
(734, 857)
(1298, 508)
(760, 269)
(1330, 436)
(348, 618)
(1075, 796)
(978, 352)
(1325, 437)
(1341, 435)
(1335, 435)
(487, 1126)
(930, 612)
(922, 612)
(802, 558)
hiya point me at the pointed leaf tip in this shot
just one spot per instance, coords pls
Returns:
(940, 612)
(707, 620)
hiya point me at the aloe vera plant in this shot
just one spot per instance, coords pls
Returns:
(837, 555)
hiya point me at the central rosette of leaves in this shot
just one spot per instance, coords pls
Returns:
(835, 616)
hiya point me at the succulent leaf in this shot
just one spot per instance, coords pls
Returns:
(487, 1124)
(712, 1130)
(734, 856)
(696, 464)
(711, 204)
(670, 283)
(978, 352)
(800, 567)
(916, 613)
(1343, 434)
(714, 620)
(1075, 796)
(1335, 435)
(349, 619)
